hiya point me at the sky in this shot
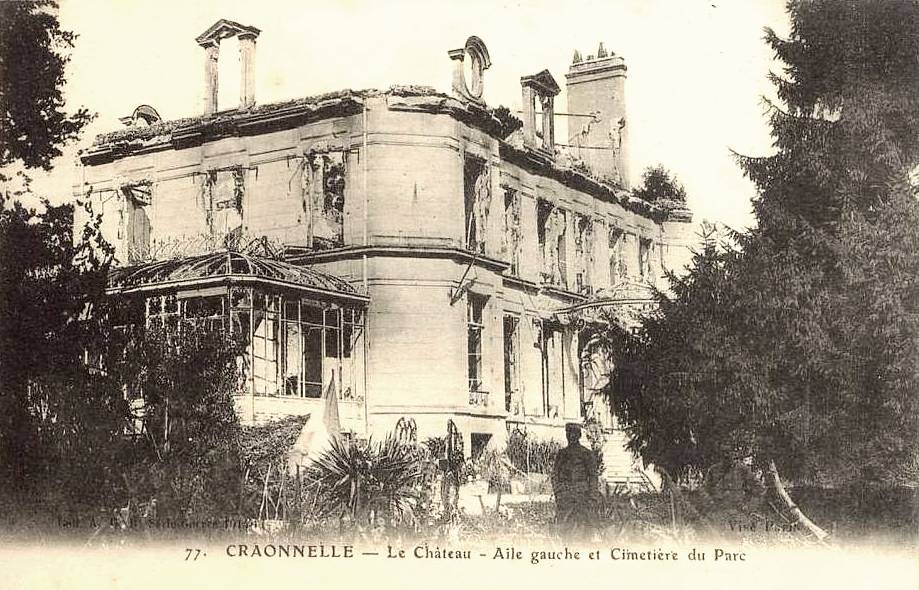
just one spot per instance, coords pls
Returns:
(697, 71)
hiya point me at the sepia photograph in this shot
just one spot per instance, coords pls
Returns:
(459, 294)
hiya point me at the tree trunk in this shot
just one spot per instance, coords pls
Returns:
(800, 518)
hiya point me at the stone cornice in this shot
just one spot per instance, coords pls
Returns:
(537, 163)
(582, 71)
(190, 132)
(193, 131)
(352, 252)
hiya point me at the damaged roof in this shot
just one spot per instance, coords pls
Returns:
(498, 122)
(265, 118)
(227, 267)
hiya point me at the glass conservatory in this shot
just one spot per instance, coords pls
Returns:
(303, 329)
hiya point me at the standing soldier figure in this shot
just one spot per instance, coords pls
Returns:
(574, 481)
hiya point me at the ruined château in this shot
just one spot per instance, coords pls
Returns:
(422, 255)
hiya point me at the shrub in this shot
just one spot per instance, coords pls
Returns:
(267, 485)
(593, 432)
(456, 463)
(188, 455)
(364, 481)
(493, 467)
(531, 455)
(658, 185)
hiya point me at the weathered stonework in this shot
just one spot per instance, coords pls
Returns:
(370, 186)
(210, 41)
(597, 86)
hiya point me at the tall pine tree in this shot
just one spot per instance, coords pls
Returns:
(800, 347)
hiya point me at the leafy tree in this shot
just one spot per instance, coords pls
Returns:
(659, 185)
(47, 281)
(799, 348)
(49, 286)
(64, 364)
(33, 121)
(183, 379)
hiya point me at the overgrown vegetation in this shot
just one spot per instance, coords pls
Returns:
(796, 344)
(187, 453)
(369, 483)
(661, 187)
(52, 404)
(530, 454)
(33, 56)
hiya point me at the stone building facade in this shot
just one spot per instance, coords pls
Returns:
(419, 253)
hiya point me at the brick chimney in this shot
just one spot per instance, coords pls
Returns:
(210, 41)
(596, 85)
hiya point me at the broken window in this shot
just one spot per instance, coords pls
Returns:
(134, 226)
(352, 352)
(312, 352)
(323, 197)
(583, 248)
(207, 311)
(616, 261)
(333, 202)
(475, 326)
(351, 328)
(240, 311)
(316, 340)
(292, 350)
(511, 365)
(162, 311)
(477, 199)
(315, 345)
(551, 223)
(543, 341)
(329, 227)
(645, 255)
(223, 193)
(512, 229)
(265, 344)
(561, 228)
(550, 342)
(295, 347)
(543, 210)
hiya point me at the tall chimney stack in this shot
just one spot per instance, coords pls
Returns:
(210, 41)
(540, 134)
(247, 69)
(596, 85)
(211, 57)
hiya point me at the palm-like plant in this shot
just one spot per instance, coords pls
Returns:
(365, 480)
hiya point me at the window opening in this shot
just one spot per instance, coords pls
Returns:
(616, 263)
(511, 364)
(644, 260)
(475, 328)
(294, 347)
(136, 221)
(583, 248)
(512, 229)
(477, 202)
